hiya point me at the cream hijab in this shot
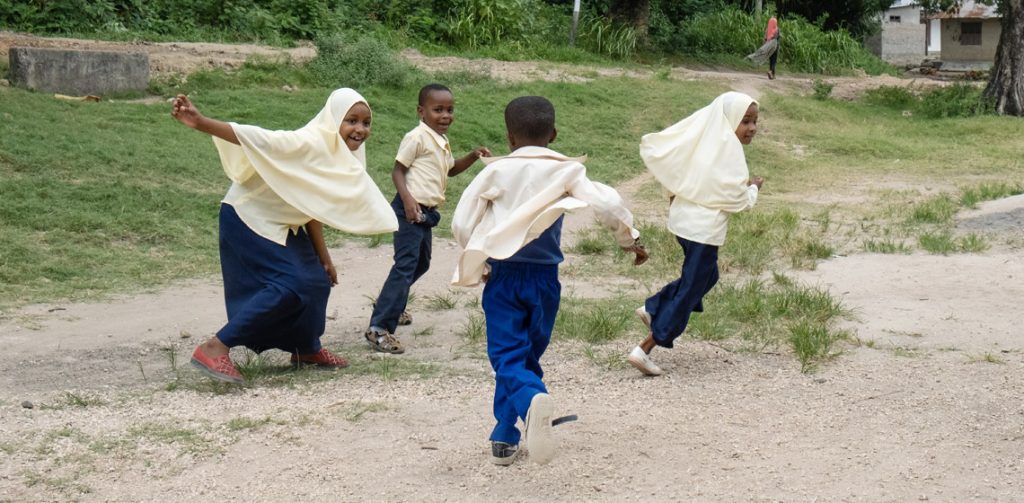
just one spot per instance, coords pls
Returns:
(699, 158)
(313, 170)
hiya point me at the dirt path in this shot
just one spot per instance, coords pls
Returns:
(930, 405)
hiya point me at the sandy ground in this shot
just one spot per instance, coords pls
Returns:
(929, 406)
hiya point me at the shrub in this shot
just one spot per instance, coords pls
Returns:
(822, 89)
(360, 63)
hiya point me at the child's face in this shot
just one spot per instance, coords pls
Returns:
(355, 127)
(748, 126)
(437, 111)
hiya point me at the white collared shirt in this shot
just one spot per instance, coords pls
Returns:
(701, 224)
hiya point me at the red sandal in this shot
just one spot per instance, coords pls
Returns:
(322, 358)
(219, 368)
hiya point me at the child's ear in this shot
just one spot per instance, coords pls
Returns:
(511, 141)
(554, 134)
(419, 110)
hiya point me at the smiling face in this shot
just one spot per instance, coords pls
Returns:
(437, 110)
(355, 127)
(748, 126)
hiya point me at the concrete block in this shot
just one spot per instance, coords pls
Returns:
(77, 72)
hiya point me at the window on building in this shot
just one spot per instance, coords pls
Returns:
(895, 19)
(970, 33)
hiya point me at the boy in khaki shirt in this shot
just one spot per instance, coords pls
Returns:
(422, 167)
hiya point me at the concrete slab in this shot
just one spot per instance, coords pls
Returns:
(77, 72)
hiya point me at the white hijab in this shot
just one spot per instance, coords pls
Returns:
(313, 170)
(700, 159)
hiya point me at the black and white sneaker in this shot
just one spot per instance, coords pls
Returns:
(503, 453)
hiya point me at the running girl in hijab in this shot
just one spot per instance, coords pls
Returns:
(277, 271)
(700, 162)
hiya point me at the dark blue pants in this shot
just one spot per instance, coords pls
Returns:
(412, 260)
(671, 307)
(276, 296)
(520, 302)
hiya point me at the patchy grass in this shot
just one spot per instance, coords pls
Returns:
(473, 329)
(595, 321)
(985, 358)
(443, 301)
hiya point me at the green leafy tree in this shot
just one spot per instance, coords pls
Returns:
(1005, 89)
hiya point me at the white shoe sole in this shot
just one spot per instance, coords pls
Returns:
(641, 364)
(540, 442)
(645, 317)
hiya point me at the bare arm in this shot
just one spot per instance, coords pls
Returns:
(186, 113)
(412, 208)
(463, 163)
(315, 229)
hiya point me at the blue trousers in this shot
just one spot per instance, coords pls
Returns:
(412, 259)
(670, 308)
(276, 296)
(520, 302)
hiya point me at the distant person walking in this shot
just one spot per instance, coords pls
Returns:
(769, 50)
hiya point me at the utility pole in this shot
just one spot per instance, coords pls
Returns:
(575, 21)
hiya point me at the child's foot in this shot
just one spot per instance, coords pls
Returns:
(322, 358)
(219, 368)
(504, 453)
(405, 318)
(540, 442)
(642, 361)
(383, 341)
(644, 317)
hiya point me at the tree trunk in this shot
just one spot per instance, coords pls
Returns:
(1006, 86)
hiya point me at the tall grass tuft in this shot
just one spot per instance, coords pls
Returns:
(804, 46)
(595, 321)
(971, 196)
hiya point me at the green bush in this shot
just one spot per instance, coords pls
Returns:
(957, 100)
(363, 62)
(822, 89)
(803, 47)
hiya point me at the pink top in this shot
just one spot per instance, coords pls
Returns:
(772, 30)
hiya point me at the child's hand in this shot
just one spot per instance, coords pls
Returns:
(482, 152)
(641, 253)
(412, 212)
(331, 273)
(756, 180)
(184, 111)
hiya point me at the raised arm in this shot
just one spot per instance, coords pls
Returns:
(186, 113)
(463, 163)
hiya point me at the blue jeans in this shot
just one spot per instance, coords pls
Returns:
(520, 302)
(412, 259)
(670, 308)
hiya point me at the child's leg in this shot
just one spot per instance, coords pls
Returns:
(771, 62)
(394, 295)
(514, 321)
(670, 308)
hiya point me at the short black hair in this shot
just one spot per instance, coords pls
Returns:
(530, 118)
(429, 88)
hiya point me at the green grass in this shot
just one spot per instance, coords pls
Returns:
(971, 196)
(443, 301)
(596, 321)
(473, 329)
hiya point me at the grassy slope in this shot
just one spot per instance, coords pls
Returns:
(107, 197)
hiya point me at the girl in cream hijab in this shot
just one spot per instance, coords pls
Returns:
(700, 163)
(277, 271)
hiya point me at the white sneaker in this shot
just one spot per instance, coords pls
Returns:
(540, 442)
(644, 317)
(642, 361)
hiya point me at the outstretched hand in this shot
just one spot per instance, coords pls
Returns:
(482, 152)
(184, 111)
(756, 180)
(641, 253)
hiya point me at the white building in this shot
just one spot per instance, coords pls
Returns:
(905, 37)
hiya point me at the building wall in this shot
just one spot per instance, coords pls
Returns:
(953, 50)
(935, 36)
(903, 36)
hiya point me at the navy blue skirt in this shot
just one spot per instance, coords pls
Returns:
(276, 296)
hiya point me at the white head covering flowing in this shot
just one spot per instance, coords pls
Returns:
(699, 158)
(313, 170)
